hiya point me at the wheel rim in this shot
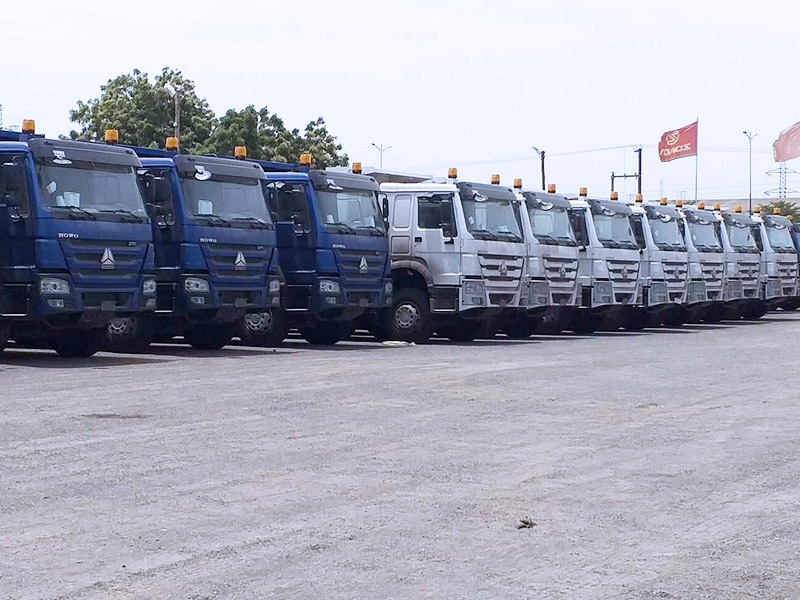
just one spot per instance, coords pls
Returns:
(258, 322)
(121, 326)
(406, 316)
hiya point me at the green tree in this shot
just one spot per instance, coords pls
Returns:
(787, 208)
(143, 111)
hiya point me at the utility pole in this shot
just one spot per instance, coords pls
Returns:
(750, 135)
(638, 174)
(381, 149)
(173, 93)
(541, 157)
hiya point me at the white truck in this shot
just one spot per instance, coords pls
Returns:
(457, 259)
(743, 268)
(778, 259)
(552, 263)
(609, 262)
(707, 264)
(664, 265)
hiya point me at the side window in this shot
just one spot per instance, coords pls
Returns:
(436, 210)
(287, 201)
(638, 230)
(577, 218)
(401, 211)
(13, 183)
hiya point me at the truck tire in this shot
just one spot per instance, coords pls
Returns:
(210, 336)
(327, 333)
(5, 333)
(520, 328)
(131, 335)
(79, 343)
(263, 329)
(410, 316)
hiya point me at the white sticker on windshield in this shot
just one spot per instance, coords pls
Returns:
(51, 187)
(330, 219)
(471, 220)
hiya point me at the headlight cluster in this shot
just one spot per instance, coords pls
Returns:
(328, 286)
(474, 293)
(539, 293)
(658, 293)
(53, 285)
(149, 287)
(602, 293)
(274, 286)
(196, 285)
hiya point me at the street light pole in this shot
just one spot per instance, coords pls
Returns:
(173, 93)
(541, 156)
(750, 135)
(381, 149)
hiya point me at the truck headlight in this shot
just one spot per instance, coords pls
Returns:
(602, 293)
(388, 288)
(196, 285)
(52, 285)
(328, 286)
(474, 288)
(274, 286)
(149, 287)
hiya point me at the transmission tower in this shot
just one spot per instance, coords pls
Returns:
(781, 190)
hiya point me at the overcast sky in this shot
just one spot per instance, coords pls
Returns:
(471, 84)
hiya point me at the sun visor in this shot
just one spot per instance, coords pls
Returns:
(66, 151)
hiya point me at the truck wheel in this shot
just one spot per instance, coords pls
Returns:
(5, 333)
(211, 336)
(327, 333)
(520, 328)
(79, 343)
(263, 329)
(410, 316)
(131, 335)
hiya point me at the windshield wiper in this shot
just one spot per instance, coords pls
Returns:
(372, 228)
(79, 210)
(610, 243)
(342, 226)
(123, 212)
(485, 232)
(566, 238)
(546, 239)
(510, 234)
(255, 221)
(213, 219)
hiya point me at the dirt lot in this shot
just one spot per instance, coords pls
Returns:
(655, 465)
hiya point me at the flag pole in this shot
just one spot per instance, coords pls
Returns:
(696, 155)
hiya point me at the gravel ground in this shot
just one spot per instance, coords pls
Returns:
(660, 464)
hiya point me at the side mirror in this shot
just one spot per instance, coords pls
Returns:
(444, 219)
(148, 184)
(297, 225)
(581, 248)
(13, 177)
(385, 207)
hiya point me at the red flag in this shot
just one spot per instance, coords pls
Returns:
(787, 146)
(678, 143)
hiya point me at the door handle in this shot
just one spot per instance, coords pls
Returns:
(417, 239)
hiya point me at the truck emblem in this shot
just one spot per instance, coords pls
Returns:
(503, 269)
(624, 272)
(240, 264)
(363, 267)
(107, 260)
(562, 272)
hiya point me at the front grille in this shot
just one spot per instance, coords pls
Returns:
(106, 262)
(623, 271)
(238, 298)
(560, 269)
(105, 300)
(675, 272)
(360, 265)
(237, 264)
(501, 271)
(501, 299)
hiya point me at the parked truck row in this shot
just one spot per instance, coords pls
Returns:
(108, 246)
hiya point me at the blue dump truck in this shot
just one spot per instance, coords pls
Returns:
(215, 256)
(333, 249)
(75, 241)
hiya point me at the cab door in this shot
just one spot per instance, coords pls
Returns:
(435, 236)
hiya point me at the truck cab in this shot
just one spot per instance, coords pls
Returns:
(773, 236)
(458, 259)
(665, 262)
(334, 253)
(552, 263)
(609, 265)
(707, 265)
(75, 241)
(215, 250)
(743, 286)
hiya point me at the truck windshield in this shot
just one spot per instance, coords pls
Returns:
(491, 219)
(350, 211)
(779, 238)
(740, 237)
(226, 201)
(704, 237)
(666, 233)
(89, 190)
(551, 226)
(614, 230)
